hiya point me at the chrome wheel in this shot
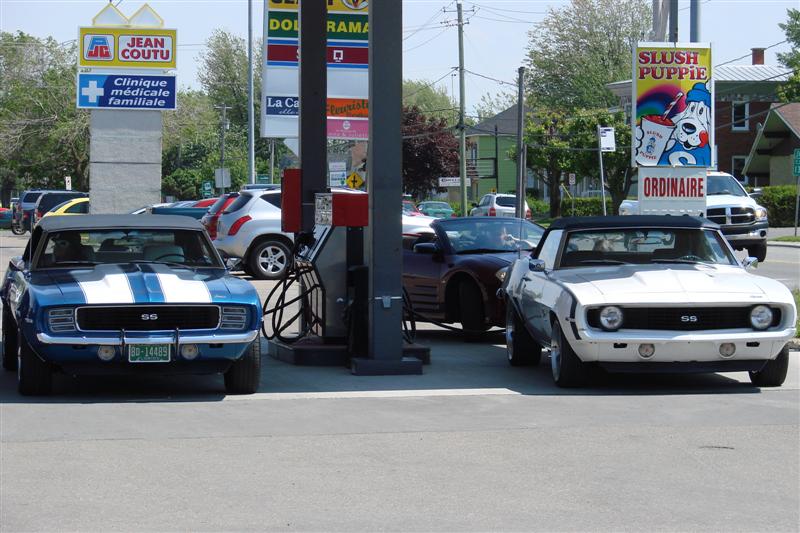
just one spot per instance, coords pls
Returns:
(272, 260)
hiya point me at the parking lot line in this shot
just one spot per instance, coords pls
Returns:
(424, 393)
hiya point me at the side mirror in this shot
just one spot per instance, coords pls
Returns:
(428, 248)
(474, 204)
(16, 264)
(749, 262)
(536, 265)
(231, 263)
(757, 193)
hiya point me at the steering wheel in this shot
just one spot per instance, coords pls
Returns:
(691, 257)
(170, 254)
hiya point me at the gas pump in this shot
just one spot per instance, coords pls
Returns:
(332, 277)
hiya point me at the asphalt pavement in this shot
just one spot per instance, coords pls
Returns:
(473, 445)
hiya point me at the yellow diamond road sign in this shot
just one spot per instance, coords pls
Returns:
(354, 180)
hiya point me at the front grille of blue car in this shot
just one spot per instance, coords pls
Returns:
(159, 317)
(61, 320)
(233, 317)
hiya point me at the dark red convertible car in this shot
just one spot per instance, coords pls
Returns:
(452, 275)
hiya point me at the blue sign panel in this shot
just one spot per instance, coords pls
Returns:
(282, 105)
(126, 91)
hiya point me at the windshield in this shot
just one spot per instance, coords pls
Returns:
(108, 246)
(723, 184)
(31, 197)
(487, 234)
(436, 205)
(645, 246)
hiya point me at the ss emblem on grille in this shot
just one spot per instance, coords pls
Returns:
(152, 316)
(688, 318)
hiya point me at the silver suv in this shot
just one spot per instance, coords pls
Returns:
(498, 205)
(250, 229)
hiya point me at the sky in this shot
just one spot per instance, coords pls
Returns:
(495, 39)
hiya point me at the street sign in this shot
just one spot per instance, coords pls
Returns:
(125, 91)
(607, 140)
(68, 183)
(222, 178)
(263, 178)
(355, 181)
(208, 186)
(452, 181)
(797, 162)
(105, 47)
(571, 179)
(337, 178)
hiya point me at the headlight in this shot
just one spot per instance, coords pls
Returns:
(611, 318)
(761, 317)
(501, 274)
(761, 213)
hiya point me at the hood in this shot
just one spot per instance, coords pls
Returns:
(667, 284)
(133, 283)
(720, 200)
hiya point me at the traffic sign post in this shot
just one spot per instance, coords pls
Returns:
(208, 189)
(797, 185)
(354, 180)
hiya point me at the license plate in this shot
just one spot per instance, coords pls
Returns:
(149, 353)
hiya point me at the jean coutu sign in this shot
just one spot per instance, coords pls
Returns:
(127, 48)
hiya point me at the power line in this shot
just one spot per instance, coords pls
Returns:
(429, 84)
(426, 42)
(748, 54)
(502, 82)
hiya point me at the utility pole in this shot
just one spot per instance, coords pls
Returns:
(272, 160)
(521, 149)
(251, 127)
(223, 125)
(695, 21)
(673, 21)
(496, 161)
(462, 148)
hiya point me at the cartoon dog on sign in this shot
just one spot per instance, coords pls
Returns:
(689, 144)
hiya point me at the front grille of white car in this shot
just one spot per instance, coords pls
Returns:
(731, 215)
(684, 318)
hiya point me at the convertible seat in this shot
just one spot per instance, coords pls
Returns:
(163, 252)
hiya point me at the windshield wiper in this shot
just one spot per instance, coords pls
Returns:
(685, 261)
(170, 263)
(484, 251)
(72, 263)
(604, 262)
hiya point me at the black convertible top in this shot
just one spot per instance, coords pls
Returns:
(633, 221)
(89, 222)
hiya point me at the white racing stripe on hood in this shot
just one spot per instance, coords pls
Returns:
(177, 290)
(111, 288)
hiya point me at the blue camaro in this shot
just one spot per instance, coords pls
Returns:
(123, 294)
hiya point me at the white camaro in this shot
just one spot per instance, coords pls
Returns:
(645, 294)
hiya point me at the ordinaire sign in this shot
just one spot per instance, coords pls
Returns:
(125, 91)
(127, 48)
(672, 191)
(348, 75)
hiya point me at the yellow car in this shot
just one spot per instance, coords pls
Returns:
(76, 206)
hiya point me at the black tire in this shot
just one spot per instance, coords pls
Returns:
(568, 370)
(9, 341)
(521, 349)
(473, 317)
(759, 251)
(34, 376)
(17, 229)
(774, 372)
(244, 375)
(269, 260)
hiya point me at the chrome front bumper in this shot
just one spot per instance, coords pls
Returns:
(120, 340)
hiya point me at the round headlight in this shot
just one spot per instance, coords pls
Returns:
(761, 317)
(761, 213)
(611, 317)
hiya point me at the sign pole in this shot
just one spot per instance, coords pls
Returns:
(602, 177)
(797, 192)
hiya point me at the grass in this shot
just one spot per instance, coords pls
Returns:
(787, 238)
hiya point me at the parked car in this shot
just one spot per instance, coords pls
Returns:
(188, 208)
(23, 218)
(743, 221)
(645, 294)
(76, 206)
(121, 294)
(49, 199)
(209, 220)
(144, 210)
(498, 205)
(453, 274)
(6, 216)
(261, 186)
(435, 209)
(410, 209)
(250, 229)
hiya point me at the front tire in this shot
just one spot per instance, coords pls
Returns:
(244, 375)
(269, 260)
(34, 376)
(9, 341)
(521, 349)
(17, 229)
(774, 372)
(568, 370)
(473, 317)
(759, 251)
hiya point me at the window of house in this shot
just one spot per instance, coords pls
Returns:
(737, 166)
(740, 114)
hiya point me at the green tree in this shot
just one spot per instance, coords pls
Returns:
(790, 91)
(490, 105)
(43, 136)
(432, 101)
(548, 151)
(576, 50)
(430, 151)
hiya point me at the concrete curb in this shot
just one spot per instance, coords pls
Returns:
(784, 244)
(794, 345)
